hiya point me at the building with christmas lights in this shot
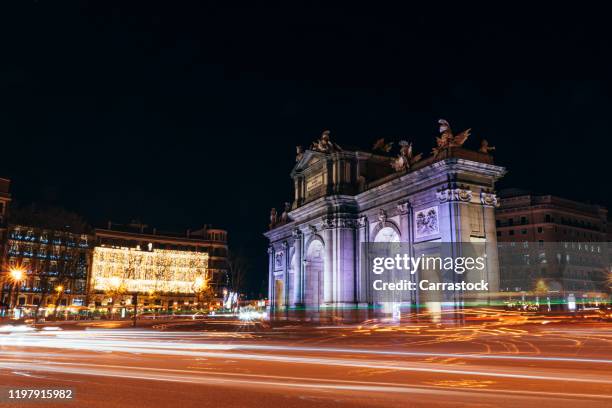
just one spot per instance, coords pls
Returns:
(165, 270)
(344, 198)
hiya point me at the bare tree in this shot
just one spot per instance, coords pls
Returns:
(205, 296)
(54, 252)
(237, 266)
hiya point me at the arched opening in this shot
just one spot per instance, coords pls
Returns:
(313, 274)
(279, 293)
(387, 234)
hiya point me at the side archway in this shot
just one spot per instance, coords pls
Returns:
(386, 232)
(314, 265)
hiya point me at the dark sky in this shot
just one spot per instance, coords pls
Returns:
(185, 114)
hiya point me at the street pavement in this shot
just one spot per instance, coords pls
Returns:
(226, 362)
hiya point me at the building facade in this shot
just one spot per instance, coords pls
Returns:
(164, 269)
(556, 243)
(5, 200)
(55, 264)
(345, 198)
(65, 271)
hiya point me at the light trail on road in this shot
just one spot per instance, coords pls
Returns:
(558, 366)
(78, 340)
(256, 380)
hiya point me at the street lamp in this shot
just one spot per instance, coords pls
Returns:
(17, 275)
(58, 289)
(200, 286)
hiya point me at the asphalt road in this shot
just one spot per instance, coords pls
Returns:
(226, 363)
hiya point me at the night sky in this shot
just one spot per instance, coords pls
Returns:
(187, 114)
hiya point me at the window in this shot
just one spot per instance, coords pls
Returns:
(499, 233)
(523, 220)
(511, 232)
(547, 218)
(524, 232)
(510, 221)
(540, 230)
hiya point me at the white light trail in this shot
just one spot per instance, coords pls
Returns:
(221, 351)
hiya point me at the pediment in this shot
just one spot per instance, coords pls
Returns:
(308, 159)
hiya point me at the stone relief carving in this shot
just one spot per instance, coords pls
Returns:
(324, 144)
(463, 194)
(447, 139)
(329, 222)
(485, 148)
(273, 218)
(278, 261)
(346, 223)
(403, 208)
(362, 221)
(405, 159)
(488, 199)
(426, 222)
(285, 215)
(299, 153)
(382, 216)
(381, 146)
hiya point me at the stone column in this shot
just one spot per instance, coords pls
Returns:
(271, 278)
(286, 281)
(489, 202)
(329, 264)
(403, 209)
(345, 261)
(362, 259)
(298, 268)
(455, 228)
(297, 189)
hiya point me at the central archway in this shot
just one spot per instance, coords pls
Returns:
(313, 273)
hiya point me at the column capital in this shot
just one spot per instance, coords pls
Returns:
(488, 199)
(346, 223)
(460, 194)
(329, 222)
(403, 208)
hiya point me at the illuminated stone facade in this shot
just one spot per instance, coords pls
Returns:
(343, 198)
